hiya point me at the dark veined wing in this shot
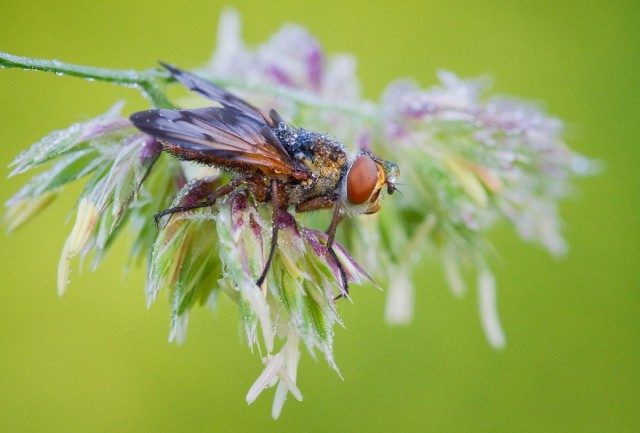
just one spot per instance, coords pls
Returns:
(225, 137)
(216, 93)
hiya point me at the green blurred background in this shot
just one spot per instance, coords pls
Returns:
(98, 360)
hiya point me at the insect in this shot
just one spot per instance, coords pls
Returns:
(276, 162)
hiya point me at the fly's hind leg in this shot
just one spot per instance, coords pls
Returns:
(275, 202)
(210, 201)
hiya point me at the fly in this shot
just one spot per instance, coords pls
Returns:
(276, 162)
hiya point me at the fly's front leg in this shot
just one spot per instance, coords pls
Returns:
(326, 202)
(331, 234)
(316, 203)
(211, 199)
(275, 202)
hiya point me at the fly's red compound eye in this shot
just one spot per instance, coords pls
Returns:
(361, 179)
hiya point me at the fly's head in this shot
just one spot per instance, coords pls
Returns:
(367, 179)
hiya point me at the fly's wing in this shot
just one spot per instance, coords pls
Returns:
(216, 93)
(225, 137)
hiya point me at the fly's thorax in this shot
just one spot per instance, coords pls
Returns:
(321, 155)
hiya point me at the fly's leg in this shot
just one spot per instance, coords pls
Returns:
(335, 220)
(211, 199)
(275, 202)
(325, 202)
